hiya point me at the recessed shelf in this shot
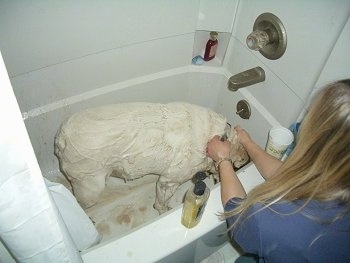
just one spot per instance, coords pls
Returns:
(200, 40)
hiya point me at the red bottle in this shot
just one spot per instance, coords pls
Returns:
(210, 49)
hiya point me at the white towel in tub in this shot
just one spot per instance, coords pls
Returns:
(79, 225)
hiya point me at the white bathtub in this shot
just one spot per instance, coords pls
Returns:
(164, 239)
(167, 240)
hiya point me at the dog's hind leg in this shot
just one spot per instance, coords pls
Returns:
(164, 191)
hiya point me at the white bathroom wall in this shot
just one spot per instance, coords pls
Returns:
(58, 31)
(56, 49)
(313, 28)
(216, 15)
(338, 64)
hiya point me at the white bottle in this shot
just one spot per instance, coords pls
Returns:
(195, 200)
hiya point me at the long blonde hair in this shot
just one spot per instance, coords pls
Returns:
(319, 166)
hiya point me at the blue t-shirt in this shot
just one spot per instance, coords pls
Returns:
(277, 235)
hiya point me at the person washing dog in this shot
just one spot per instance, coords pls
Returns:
(301, 212)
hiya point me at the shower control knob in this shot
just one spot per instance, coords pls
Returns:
(269, 36)
(257, 40)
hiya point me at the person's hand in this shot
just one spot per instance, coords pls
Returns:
(217, 149)
(243, 136)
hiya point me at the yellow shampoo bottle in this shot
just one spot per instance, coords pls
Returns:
(195, 200)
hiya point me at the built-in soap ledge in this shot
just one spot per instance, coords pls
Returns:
(200, 41)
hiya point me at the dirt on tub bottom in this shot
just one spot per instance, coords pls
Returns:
(127, 205)
(124, 206)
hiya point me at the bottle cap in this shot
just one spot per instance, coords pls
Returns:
(199, 188)
(213, 33)
(200, 176)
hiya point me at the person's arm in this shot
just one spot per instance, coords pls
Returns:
(264, 162)
(231, 187)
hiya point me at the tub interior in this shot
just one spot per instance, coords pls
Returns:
(125, 206)
(169, 241)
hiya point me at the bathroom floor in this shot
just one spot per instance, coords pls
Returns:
(226, 254)
(124, 206)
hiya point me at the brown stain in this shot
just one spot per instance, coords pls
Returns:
(130, 216)
(103, 228)
(123, 219)
(142, 209)
(124, 216)
(124, 206)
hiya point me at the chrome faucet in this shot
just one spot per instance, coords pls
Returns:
(246, 78)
